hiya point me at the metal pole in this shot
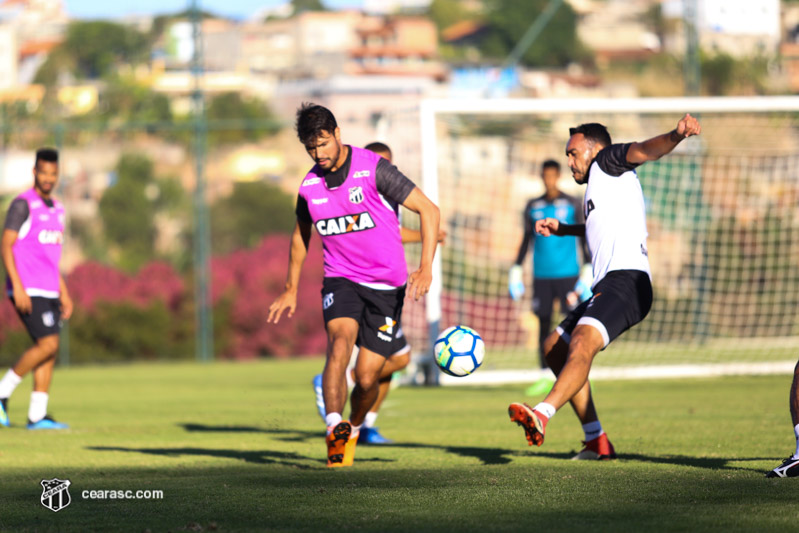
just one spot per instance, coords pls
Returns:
(202, 279)
(527, 39)
(531, 34)
(692, 66)
(63, 338)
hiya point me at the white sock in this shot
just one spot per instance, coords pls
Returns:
(38, 406)
(592, 430)
(371, 418)
(332, 420)
(796, 432)
(9, 383)
(355, 430)
(546, 409)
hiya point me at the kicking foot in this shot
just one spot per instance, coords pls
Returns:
(533, 422)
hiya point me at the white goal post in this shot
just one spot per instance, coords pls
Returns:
(723, 217)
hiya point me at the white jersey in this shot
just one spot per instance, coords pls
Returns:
(615, 216)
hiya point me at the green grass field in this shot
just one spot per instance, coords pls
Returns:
(238, 447)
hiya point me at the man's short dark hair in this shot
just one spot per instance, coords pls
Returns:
(593, 132)
(550, 163)
(46, 154)
(378, 148)
(312, 120)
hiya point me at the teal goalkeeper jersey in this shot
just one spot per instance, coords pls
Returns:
(553, 257)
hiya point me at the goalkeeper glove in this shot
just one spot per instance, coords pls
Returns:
(515, 282)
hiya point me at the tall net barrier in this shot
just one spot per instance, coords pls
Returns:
(722, 215)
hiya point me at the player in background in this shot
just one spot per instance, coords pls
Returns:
(401, 350)
(790, 466)
(556, 262)
(615, 229)
(31, 250)
(343, 196)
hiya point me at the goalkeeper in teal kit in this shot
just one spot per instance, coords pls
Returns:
(556, 260)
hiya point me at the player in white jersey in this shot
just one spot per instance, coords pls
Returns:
(615, 230)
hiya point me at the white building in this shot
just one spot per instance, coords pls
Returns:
(737, 27)
(8, 57)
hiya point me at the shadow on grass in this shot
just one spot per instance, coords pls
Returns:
(493, 456)
(711, 463)
(285, 435)
(488, 456)
(264, 457)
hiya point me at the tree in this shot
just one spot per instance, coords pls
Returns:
(92, 50)
(258, 119)
(445, 13)
(508, 20)
(136, 103)
(301, 6)
(253, 210)
(127, 213)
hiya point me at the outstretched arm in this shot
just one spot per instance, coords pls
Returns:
(552, 226)
(657, 147)
(299, 249)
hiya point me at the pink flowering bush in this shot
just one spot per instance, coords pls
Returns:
(246, 282)
(151, 315)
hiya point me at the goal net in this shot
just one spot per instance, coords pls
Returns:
(722, 214)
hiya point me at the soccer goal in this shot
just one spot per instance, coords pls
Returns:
(722, 213)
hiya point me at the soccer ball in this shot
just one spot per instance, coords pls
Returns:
(459, 351)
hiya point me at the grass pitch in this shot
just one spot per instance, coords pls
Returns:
(239, 447)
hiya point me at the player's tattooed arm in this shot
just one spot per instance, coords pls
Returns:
(552, 226)
(300, 239)
(656, 147)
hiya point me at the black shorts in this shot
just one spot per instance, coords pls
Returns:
(621, 300)
(546, 291)
(377, 312)
(44, 319)
(399, 346)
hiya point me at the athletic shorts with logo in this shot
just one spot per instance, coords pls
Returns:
(44, 319)
(621, 299)
(377, 312)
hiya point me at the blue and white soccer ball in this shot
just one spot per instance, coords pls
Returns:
(459, 351)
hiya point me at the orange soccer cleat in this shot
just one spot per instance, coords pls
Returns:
(533, 422)
(337, 441)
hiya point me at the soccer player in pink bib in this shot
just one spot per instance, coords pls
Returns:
(347, 196)
(31, 250)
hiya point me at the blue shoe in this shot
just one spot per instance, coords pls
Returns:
(4, 412)
(320, 399)
(372, 436)
(46, 423)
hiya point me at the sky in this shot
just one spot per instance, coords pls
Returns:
(92, 9)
